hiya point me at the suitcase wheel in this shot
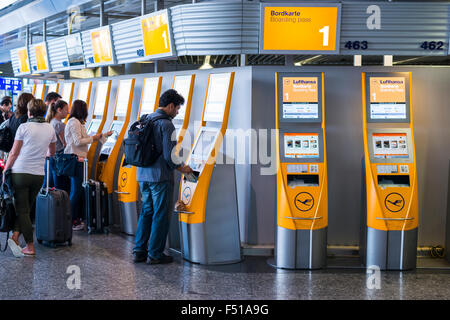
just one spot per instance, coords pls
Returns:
(105, 231)
(69, 242)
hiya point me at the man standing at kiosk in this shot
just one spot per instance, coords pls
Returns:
(156, 184)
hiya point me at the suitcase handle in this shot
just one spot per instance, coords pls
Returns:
(45, 191)
(85, 170)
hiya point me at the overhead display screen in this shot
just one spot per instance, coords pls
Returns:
(182, 85)
(390, 145)
(67, 92)
(388, 98)
(24, 63)
(100, 98)
(149, 95)
(217, 96)
(116, 127)
(74, 50)
(300, 29)
(301, 145)
(40, 51)
(155, 34)
(300, 98)
(123, 96)
(83, 91)
(102, 45)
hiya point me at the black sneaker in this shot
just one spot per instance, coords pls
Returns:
(139, 257)
(164, 259)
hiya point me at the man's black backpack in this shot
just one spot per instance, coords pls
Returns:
(6, 139)
(140, 147)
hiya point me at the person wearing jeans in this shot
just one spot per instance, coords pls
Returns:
(156, 185)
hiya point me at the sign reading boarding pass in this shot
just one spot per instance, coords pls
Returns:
(40, 51)
(387, 98)
(156, 35)
(102, 46)
(303, 28)
(300, 98)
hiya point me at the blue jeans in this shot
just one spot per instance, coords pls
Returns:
(153, 224)
(77, 193)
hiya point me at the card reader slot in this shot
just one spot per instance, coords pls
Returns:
(193, 178)
(393, 180)
(302, 180)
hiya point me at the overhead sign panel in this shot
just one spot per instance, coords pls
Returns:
(102, 48)
(300, 29)
(42, 64)
(156, 34)
(74, 50)
(24, 61)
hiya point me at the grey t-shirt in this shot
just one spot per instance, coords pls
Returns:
(59, 127)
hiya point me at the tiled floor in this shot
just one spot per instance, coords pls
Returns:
(108, 273)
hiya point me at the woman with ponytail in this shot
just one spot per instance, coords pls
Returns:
(57, 112)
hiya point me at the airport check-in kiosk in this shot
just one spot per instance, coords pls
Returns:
(390, 215)
(84, 92)
(100, 114)
(67, 95)
(302, 195)
(53, 87)
(209, 227)
(111, 151)
(127, 185)
(184, 85)
(39, 91)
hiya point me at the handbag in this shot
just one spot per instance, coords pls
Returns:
(6, 139)
(66, 164)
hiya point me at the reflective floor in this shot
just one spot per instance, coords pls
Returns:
(107, 272)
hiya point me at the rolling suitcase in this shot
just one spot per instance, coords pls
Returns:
(53, 216)
(96, 204)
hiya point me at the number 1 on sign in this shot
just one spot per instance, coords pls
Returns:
(326, 32)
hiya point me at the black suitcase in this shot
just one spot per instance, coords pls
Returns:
(96, 204)
(53, 216)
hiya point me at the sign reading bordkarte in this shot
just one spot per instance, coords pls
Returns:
(303, 28)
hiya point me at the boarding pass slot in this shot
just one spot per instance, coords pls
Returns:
(393, 181)
(302, 180)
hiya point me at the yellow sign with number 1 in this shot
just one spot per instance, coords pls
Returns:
(155, 30)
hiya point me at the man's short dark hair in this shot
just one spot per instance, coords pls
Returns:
(52, 96)
(171, 96)
(6, 100)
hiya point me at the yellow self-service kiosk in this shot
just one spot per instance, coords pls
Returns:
(99, 116)
(84, 91)
(127, 185)
(184, 85)
(39, 91)
(391, 211)
(209, 227)
(111, 151)
(302, 196)
(67, 95)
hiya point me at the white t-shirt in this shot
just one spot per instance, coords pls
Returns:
(36, 138)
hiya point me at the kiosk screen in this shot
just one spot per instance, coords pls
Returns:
(390, 145)
(83, 91)
(300, 98)
(123, 97)
(67, 90)
(109, 144)
(149, 95)
(74, 50)
(39, 89)
(100, 99)
(387, 98)
(204, 144)
(182, 85)
(52, 87)
(93, 127)
(301, 145)
(217, 96)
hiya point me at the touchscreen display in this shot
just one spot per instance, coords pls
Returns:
(301, 145)
(390, 145)
(300, 98)
(387, 98)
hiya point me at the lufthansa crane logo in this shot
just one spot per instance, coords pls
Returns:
(394, 202)
(187, 193)
(123, 179)
(304, 201)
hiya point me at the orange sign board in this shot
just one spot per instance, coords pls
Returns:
(24, 65)
(300, 89)
(155, 31)
(300, 28)
(387, 89)
(101, 46)
(41, 57)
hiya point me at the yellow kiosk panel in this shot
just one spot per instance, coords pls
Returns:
(84, 91)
